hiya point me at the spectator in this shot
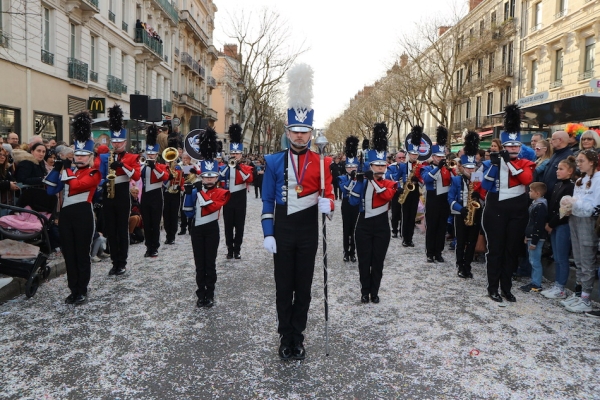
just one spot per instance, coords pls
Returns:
(535, 138)
(31, 168)
(35, 139)
(259, 171)
(51, 143)
(13, 140)
(543, 152)
(589, 140)
(49, 159)
(535, 235)
(8, 185)
(336, 170)
(496, 146)
(560, 143)
(136, 234)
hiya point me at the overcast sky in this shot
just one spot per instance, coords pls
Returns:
(352, 43)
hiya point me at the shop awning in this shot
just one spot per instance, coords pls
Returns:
(572, 109)
(486, 133)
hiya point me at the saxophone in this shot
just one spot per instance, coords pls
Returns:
(410, 186)
(110, 177)
(471, 207)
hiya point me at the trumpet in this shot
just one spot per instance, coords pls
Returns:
(170, 154)
(232, 162)
(110, 177)
(451, 164)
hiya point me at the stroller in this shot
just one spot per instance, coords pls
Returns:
(33, 269)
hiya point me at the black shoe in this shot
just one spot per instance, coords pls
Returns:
(364, 298)
(353, 258)
(439, 258)
(298, 352)
(112, 271)
(430, 259)
(182, 232)
(70, 299)
(153, 254)
(469, 275)
(120, 271)
(80, 299)
(495, 296)
(346, 258)
(208, 303)
(285, 352)
(395, 235)
(147, 254)
(230, 254)
(170, 241)
(201, 302)
(375, 299)
(462, 274)
(237, 256)
(509, 296)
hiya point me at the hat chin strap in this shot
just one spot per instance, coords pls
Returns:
(296, 145)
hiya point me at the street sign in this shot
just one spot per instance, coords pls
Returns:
(534, 98)
(595, 83)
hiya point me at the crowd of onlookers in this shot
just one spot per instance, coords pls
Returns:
(149, 30)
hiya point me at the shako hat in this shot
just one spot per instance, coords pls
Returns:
(151, 134)
(235, 139)
(511, 136)
(441, 138)
(300, 112)
(351, 151)
(468, 160)
(378, 153)
(82, 131)
(207, 143)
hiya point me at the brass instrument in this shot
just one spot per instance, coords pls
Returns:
(190, 179)
(410, 186)
(232, 162)
(110, 177)
(170, 154)
(471, 207)
(451, 164)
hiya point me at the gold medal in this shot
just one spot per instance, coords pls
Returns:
(299, 189)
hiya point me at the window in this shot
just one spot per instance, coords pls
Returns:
(72, 38)
(110, 56)
(45, 29)
(481, 27)
(509, 60)
(509, 95)
(493, 18)
(562, 7)
(459, 78)
(10, 121)
(512, 9)
(490, 63)
(480, 68)
(123, 69)
(506, 10)
(93, 53)
(504, 54)
(558, 66)
(468, 110)
(537, 16)
(48, 125)
(502, 97)
(478, 110)
(490, 103)
(534, 76)
(590, 49)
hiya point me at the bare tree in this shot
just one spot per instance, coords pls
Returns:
(265, 56)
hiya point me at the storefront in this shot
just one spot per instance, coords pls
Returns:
(10, 121)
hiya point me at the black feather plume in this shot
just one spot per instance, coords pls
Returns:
(151, 135)
(365, 144)
(351, 146)
(235, 133)
(441, 135)
(82, 126)
(219, 146)
(115, 118)
(208, 144)
(380, 141)
(416, 135)
(512, 118)
(471, 143)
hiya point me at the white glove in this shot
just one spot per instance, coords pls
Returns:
(270, 245)
(324, 205)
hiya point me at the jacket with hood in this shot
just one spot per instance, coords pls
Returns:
(29, 171)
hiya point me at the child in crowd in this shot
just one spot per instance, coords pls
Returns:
(558, 228)
(98, 247)
(535, 234)
(585, 211)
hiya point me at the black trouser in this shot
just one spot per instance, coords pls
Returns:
(349, 217)
(466, 240)
(337, 191)
(372, 241)
(205, 242)
(151, 207)
(234, 218)
(437, 211)
(258, 187)
(504, 224)
(76, 228)
(297, 239)
(171, 214)
(396, 214)
(409, 214)
(116, 224)
(184, 222)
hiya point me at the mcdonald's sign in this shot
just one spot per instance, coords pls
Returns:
(96, 104)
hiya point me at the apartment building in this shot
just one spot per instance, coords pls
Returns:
(55, 56)
(195, 57)
(558, 71)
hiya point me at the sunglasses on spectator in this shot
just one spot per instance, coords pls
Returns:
(540, 148)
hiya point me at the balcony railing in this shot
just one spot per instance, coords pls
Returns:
(202, 72)
(187, 60)
(123, 89)
(3, 39)
(167, 107)
(141, 36)
(114, 84)
(211, 82)
(47, 57)
(169, 9)
(94, 3)
(556, 84)
(586, 75)
(196, 67)
(186, 17)
(93, 76)
(78, 70)
(535, 28)
(560, 14)
(111, 16)
(124, 26)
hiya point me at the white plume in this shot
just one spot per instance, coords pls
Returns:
(300, 80)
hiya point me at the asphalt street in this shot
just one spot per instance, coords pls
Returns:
(141, 336)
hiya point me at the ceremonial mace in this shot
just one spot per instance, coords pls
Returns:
(321, 142)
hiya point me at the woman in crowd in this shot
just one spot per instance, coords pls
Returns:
(589, 140)
(543, 152)
(31, 168)
(135, 218)
(8, 186)
(49, 160)
(496, 146)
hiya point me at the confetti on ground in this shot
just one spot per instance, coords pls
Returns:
(142, 336)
